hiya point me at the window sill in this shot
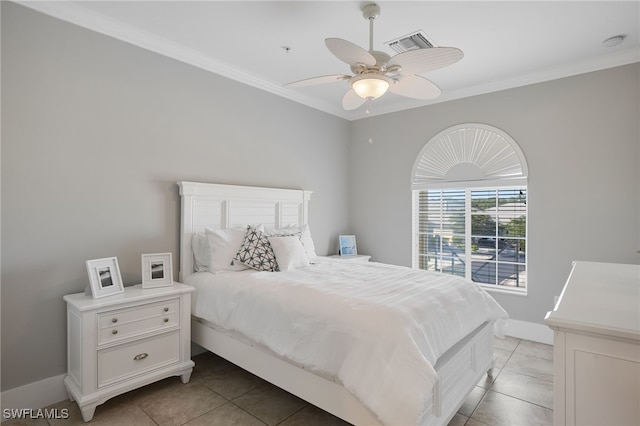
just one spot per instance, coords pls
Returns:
(503, 290)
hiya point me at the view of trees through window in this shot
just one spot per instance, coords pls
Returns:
(475, 233)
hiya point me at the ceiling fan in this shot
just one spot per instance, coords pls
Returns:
(376, 72)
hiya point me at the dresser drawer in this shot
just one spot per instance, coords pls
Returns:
(119, 324)
(131, 359)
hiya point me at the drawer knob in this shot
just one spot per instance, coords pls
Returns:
(114, 331)
(114, 319)
(166, 309)
(140, 357)
(166, 320)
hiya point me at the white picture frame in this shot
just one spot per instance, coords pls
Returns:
(157, 270)
(347, 245)
(104, 277)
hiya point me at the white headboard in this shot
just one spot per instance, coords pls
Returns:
(227, 206)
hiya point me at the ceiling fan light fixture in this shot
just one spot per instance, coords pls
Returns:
(375, 72)
(370, 86)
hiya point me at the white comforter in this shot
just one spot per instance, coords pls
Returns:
(378, 329)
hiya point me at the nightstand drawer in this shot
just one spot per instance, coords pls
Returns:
(120, 324)
(128, 360)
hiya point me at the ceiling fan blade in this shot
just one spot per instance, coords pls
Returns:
(349, 53)
(423, 60)
(414, 86)
(318, 80)
(351, 100)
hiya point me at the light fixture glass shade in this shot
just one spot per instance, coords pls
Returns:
(370, 87)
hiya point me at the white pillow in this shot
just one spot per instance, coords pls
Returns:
(201, 252)
(223, 246)
(307, 241)
(289, 251)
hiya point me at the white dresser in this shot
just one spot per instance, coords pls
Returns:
(596, 351)
(121, 342)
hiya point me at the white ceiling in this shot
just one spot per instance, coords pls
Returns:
(505, 43)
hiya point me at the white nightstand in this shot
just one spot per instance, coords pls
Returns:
(122, 342)
(352, 257)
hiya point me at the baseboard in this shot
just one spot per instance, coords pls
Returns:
(35, 395)
(50, 391)
(530, 331)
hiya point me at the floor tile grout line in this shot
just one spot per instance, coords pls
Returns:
(520, 399)
(249, 413)
(532, 356)
(226, 401)
(534, 376)
(538, 376)
(494, 377)
(147, 414)
(477, 421)
(484, 395)
(293, 414)
(490, 388)
(493, 381)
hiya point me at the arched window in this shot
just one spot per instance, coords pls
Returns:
(469, 186)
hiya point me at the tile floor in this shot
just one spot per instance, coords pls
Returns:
(219, 393)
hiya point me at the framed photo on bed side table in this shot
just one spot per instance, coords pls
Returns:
(347, 245)
(156, 270)
(104, 277)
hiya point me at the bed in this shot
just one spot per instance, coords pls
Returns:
(365, 360)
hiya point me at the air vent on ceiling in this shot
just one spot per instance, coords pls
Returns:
(416, 40)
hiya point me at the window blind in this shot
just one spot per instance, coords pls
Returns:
(478, 233)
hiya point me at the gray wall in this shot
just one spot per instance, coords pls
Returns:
(581, 138)
(95, 133)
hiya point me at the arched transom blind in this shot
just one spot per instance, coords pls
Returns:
(468, 152)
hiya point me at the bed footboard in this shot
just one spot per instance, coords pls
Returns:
(319, 391)
(459, 370)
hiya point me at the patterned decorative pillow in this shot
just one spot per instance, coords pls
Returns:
(256, 251)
